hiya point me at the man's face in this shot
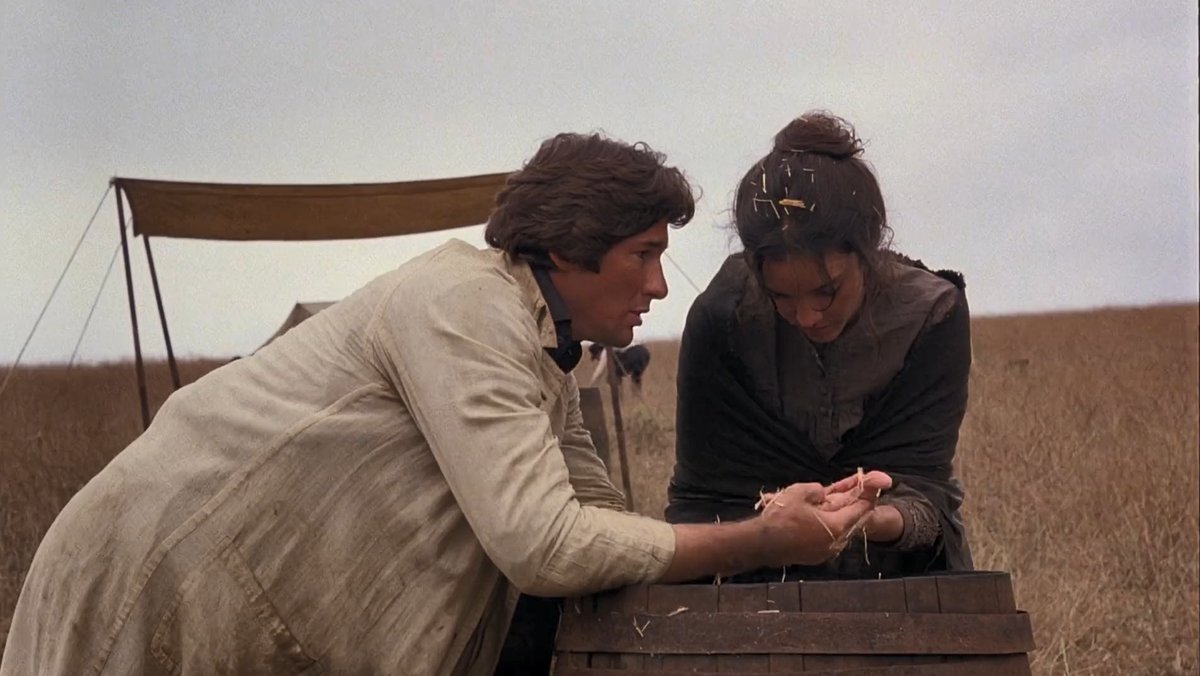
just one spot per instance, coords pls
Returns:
(819, 296)
(606, 305)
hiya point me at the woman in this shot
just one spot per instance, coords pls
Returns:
(817, 351)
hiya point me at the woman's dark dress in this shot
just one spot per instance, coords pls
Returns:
(760, 407)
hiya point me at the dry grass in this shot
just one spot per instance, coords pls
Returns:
(1080, 454)
(58, 427)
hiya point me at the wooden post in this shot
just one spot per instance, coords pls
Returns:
(614, 387)
(162, 316)
(143, 396)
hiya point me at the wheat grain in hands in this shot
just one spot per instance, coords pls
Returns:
(839, 495)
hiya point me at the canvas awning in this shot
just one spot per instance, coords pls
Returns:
(225, 211)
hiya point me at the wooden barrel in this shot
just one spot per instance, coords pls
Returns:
(960, 624)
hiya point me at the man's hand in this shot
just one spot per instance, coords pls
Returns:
(803, 523)
(814, 528)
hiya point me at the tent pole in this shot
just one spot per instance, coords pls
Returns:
(162, 315)
(137, 341)
(614, 387)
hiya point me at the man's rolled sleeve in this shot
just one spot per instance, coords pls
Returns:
(636, 549)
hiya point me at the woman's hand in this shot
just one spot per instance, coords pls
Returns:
(884, 523)
(812, 530)
(868, 484)
(881, 524)
(803, 523)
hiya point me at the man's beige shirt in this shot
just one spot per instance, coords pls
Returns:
(366, 494)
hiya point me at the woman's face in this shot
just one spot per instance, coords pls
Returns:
(819, 296)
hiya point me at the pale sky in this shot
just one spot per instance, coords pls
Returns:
(1046, 150)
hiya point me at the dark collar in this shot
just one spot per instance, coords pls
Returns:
(568, 351)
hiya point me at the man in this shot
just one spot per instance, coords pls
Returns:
(371, 492)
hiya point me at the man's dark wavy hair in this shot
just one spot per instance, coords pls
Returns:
(582, 193)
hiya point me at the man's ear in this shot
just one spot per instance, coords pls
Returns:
(562, 264)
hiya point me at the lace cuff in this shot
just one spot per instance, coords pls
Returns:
(921, 525)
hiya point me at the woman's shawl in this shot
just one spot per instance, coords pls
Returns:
(730, 445)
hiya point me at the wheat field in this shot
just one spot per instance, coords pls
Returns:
(1080, 455)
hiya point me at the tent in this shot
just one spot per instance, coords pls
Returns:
(246, 212)
(300, 312)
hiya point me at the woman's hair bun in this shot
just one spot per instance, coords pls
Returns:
(819, 132)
